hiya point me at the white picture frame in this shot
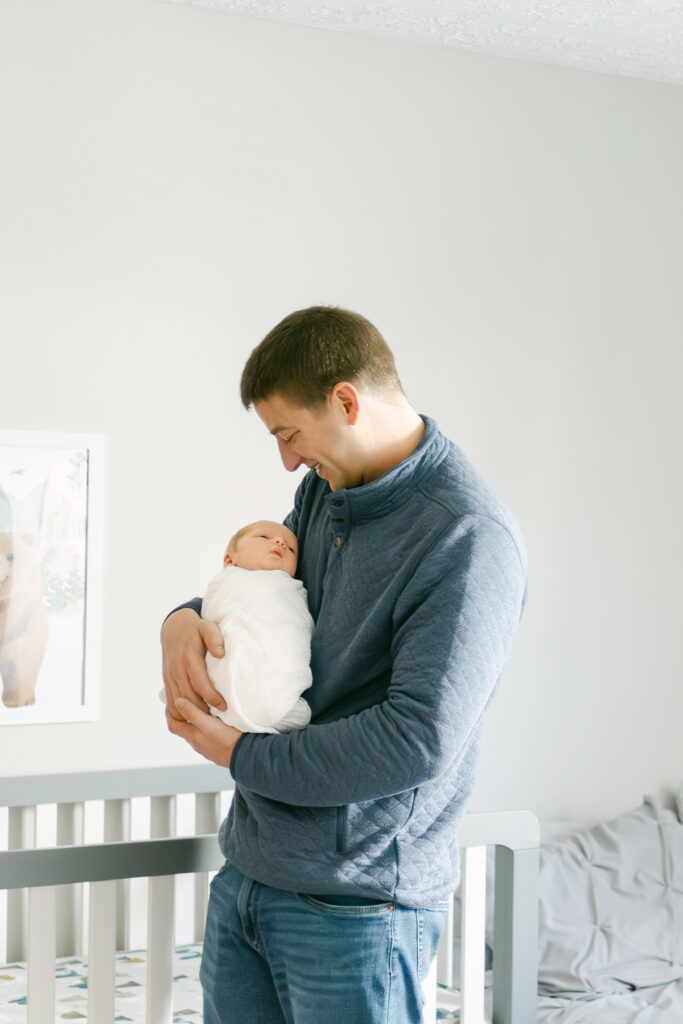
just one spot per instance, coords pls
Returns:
(51, 542)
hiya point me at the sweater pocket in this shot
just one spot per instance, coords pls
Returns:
(373, 824)
(281, 831)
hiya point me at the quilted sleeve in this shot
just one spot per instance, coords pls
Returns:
(454, 625)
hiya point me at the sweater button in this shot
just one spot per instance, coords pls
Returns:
(337, 541)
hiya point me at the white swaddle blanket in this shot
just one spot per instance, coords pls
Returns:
(267, 627)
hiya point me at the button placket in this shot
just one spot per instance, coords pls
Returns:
(338, 520)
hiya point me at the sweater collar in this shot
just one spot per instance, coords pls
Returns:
(356, 504)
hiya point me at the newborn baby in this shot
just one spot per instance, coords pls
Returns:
(263, 615)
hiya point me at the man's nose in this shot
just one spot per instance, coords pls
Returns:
(290, 460)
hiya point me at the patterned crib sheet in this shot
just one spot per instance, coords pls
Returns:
(71, 990)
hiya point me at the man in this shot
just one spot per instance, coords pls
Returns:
(341, 841)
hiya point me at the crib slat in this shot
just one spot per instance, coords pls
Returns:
(3, 930)
(117, 815)
(21, 836)
(160, 920)
(206, 821)
(42, 949)
(70, 824)
(102, 951)
(4, 814)
(162, 817)
(161, 911)
(473, 894)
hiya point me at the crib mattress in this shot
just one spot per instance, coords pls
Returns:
(71, 989)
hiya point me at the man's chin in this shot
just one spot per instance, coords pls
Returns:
(321, 471)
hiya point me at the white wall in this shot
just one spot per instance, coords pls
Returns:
(174, 181)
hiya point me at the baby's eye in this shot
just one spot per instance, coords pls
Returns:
(293, 551)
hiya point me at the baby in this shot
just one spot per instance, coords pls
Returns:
(263, 615)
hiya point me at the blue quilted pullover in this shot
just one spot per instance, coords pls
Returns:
(416, 582)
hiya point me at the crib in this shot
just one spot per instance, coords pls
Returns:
(44, 891)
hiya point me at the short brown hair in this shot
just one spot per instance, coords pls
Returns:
(313, 349)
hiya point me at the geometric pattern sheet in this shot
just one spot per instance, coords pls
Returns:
(71, 989)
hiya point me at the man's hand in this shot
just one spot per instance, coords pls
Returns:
(185, 638)
(208, 735)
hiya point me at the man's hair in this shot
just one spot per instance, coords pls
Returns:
(313, 349)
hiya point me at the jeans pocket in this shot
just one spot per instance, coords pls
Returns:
(345, 909)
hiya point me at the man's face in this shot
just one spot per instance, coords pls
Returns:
(317, 438)
(265, 545)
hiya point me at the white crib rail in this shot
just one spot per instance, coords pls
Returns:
(49, 922)
(516, 837)
(39, 922)
(42, 869)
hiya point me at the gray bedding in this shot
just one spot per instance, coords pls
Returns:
(611, 922)
(662, 1005)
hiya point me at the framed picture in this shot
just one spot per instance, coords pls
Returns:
(51, 504)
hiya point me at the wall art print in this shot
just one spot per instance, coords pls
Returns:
(50, 576)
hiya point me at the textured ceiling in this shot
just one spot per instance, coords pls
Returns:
(641, 38)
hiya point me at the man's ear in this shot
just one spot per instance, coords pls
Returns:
(347, 397)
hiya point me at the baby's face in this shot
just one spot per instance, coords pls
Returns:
(265, 545)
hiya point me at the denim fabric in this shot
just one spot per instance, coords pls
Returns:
(275, 957)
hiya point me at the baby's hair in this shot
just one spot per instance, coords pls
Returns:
(235, 539)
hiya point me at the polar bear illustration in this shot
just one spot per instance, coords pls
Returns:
(23, 620)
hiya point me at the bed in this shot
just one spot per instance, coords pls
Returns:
(66, 904)
(611, 919)
(610, 901)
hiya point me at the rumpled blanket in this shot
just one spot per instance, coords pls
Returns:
(611, 922)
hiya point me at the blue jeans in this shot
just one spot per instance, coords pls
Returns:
(275, 957)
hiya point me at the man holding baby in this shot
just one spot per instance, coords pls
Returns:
(341, 841)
